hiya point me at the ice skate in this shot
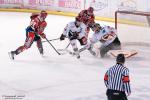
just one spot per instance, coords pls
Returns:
(42, 54)
(78, 56)
(76, 53)
(11, 55)
(92, 52)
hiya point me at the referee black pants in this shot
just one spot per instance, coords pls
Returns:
(116, 95)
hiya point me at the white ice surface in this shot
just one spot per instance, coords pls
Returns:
(58, 77)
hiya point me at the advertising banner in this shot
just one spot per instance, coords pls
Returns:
(11, 3)
(76, 4)
(103, 8)
(70, 5)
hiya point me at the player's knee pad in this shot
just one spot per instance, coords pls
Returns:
(26, 45)
(83, 41)
(28, 42)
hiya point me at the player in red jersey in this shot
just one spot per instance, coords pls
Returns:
(87, 17)
(34, 32)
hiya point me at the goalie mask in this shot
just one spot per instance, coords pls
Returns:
(97, 27)
(90, 10)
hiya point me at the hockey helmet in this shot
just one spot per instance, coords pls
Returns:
(77, 21)
(120, 58)
(34, 15)
(90, 9)
(96, 27)
(43, 14)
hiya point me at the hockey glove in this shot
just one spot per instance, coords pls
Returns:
(73, 36)
(43, 35)
(62, 37)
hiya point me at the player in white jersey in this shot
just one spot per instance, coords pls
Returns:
(107, 36)
(74, 31)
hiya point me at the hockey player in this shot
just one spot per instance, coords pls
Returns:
(34, 32)
(107, 36)
(87, 17)
(75, 31)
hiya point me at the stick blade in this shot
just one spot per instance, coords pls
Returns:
(10, 56)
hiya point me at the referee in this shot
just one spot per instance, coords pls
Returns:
(117, 80)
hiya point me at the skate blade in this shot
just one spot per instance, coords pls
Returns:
(10, 56)
(78, 57)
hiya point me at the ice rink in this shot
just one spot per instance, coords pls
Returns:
(60, 77)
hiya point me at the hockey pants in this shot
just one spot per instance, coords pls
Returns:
(116, 95)
(30, 38)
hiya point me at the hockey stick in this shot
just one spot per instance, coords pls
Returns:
(52, 46)
(52, 40)
(65, 50)
(67, 45)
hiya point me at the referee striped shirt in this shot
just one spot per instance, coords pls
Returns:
(117, 78)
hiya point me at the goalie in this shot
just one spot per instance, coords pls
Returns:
(107, 36)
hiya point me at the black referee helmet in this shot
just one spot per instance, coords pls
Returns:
(120, 58)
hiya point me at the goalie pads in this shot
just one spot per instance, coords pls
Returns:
(127, 53)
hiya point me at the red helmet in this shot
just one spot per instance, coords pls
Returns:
(34, 15)
(78, 19)
(90, 9)
(43, 14)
